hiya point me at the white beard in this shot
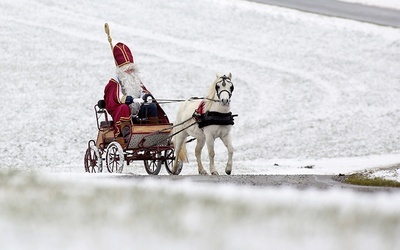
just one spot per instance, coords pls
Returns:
(131, 85)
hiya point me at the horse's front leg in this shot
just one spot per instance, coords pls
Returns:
(199, 148)
(211, 154)
(228, 144)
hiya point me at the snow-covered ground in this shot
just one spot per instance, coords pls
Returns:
(309, 90)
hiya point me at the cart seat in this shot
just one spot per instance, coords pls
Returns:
(106, 124)
(101, 112)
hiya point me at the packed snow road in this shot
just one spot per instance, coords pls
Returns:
(301, 182)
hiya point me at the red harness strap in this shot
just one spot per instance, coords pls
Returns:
(201, 109)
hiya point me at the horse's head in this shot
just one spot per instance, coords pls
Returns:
(224, 88)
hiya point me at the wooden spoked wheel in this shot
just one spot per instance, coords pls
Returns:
(93, 161)
(153, 166)
(115, 158)
(169, 162)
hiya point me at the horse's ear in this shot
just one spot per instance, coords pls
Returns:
(230, 76)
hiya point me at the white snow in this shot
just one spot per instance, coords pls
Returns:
(310, 90)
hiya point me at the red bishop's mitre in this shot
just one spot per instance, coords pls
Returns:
(122, 54)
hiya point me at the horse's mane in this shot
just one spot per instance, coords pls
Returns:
(211, 94)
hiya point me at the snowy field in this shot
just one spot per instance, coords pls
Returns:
(309, 90)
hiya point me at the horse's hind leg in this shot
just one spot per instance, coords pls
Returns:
(199, 147)
(228, 144)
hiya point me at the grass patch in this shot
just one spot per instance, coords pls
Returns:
(363, 180)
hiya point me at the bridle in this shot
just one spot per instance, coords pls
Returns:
(224, 80)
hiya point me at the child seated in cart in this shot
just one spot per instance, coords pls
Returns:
(126, 98)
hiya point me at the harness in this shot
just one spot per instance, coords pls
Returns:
(214, 118)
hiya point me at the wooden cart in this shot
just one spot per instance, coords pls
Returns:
(150, 143)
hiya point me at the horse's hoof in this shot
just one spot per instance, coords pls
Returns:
(215, 173)
(203, 172)
(228, 172)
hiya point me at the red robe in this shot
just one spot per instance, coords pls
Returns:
(120, 112)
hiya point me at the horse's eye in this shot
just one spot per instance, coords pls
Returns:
(232, 88)
(217, 87)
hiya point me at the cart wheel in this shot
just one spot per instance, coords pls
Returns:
(153, 167)
(115, 158)
(93, 161)
(169, 162)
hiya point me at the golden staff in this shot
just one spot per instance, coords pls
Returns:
(107, 30)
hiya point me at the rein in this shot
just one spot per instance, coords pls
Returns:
(209, 118)
(164, 101)
(175, 125)
(224, 80)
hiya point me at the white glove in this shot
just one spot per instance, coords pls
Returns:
(138, 100)
(149, 99)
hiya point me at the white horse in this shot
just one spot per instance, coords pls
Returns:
(217, 100)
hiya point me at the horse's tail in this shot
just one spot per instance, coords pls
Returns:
(182, 154)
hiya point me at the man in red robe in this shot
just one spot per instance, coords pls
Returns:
(125, 94)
